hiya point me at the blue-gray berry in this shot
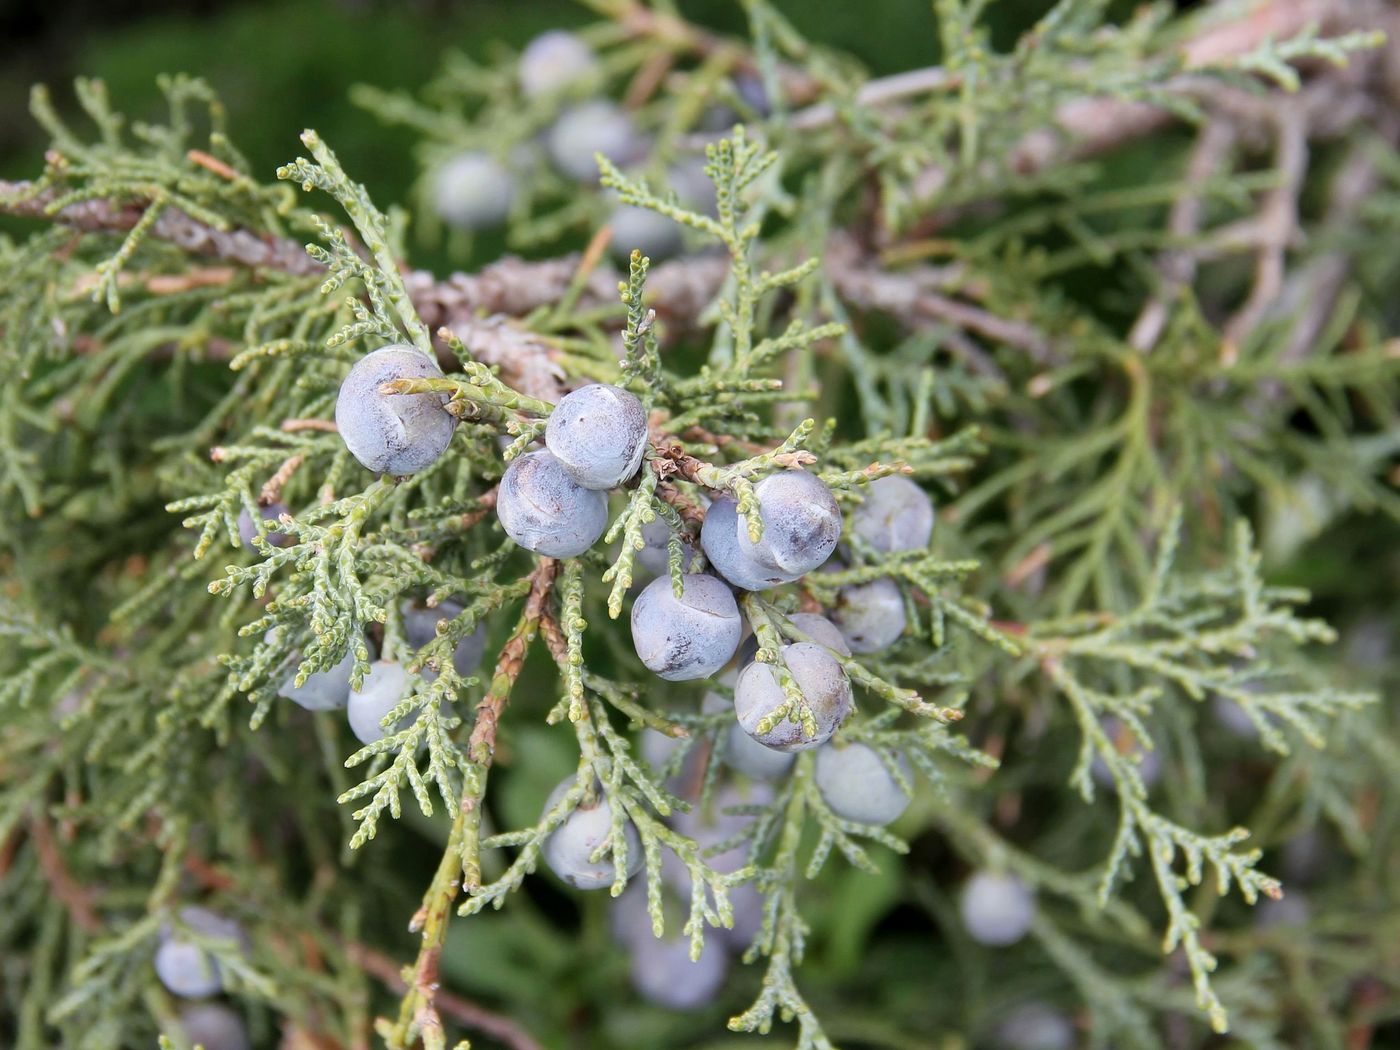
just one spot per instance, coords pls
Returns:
(814, 625)
(694, 187)
(753, 92)
(546, 511)
(692, 636)
(248, 528)
(997, 909)
(420, 627)
(396, 434)
(719, 538)
(379, 694)
(473, 191)
(1035, 1026)
(213, 1026)
(801, 523)
(598, 433)
(570, 847)
(1149, 762)
(185, 966)
(588, 129)
(896, 515)
(736, 749)
(554, 60)
(655, 556)
(325, 690)
(663, 973)
(655, 235)
(661, 968)
(820, 679)
(857, 784)
(871, 615)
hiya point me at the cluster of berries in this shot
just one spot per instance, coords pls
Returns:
(553, 501)
(188, 968)
(476, 189)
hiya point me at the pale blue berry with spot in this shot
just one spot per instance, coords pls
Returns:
(820, 679)
(545, 510)
(856, 783)
(570, 847)
(719, 538)
(599, 434)
(801, 523)
(692, 636)
(871, 615)
(398, 434)
(896, 515)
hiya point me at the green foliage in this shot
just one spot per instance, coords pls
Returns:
(1109, 404)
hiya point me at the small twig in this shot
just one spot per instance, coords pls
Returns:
(459, 865)
(1278, 226)
(488, 503)
(211, 163)
(1178, 267)
(76, 898)
(272, 488)
(502, 1029)
(880, 91)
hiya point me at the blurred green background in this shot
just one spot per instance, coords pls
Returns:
(282, 65)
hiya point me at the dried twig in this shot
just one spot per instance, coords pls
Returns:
(77, 899)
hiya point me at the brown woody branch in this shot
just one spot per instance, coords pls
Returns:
(387, 972)
(478, 1019)
(479, 307)
(77, 899)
